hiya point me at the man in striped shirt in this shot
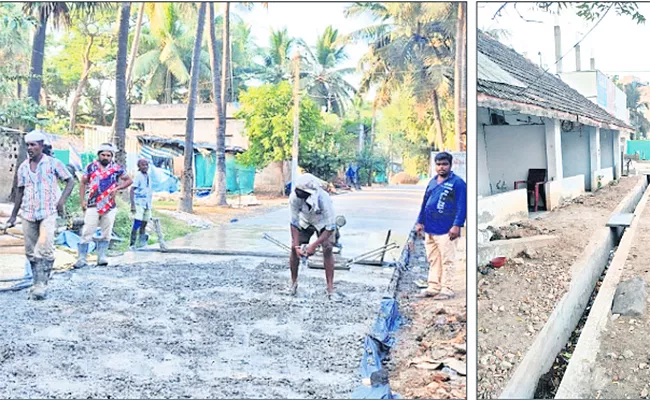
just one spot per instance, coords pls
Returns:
(41, 200)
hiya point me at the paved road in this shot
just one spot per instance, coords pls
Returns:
(153, 325)
(369, 214)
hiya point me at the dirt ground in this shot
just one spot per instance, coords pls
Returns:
(622, 370)
(515, 301)
(220, 215)
(194, 330)
(434, 331)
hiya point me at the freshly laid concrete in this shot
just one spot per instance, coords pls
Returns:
(154, 325)
(630, 298)
(370, 214)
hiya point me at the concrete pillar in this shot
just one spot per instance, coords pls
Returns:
(558, 48)
(617, 152)
(553, 149)
(594, 152)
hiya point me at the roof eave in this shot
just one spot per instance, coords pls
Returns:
(484, 100)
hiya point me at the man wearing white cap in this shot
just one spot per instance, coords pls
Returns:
(103, 178)
(311, 212)
(41, 199)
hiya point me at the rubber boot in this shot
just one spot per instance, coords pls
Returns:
(83, 254)
(134, 235)
(37, 291)
(143, 239)
(102, 247)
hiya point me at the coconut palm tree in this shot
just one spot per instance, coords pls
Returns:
(168, 43)
(410, 43)
(120, 84)
(277, 59)
(188, 173)
(219, 186)
(324, 79)
(57, 13)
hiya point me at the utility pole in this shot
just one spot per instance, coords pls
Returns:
(296, 119)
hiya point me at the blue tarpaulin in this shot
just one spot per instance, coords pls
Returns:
(376, 347)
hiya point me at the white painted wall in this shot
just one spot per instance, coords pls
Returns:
(606, 148)
(512, 151)
(483, 173)
(575, 155)
(584, 82)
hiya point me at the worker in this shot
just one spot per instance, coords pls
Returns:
(311, 212)
(103, 178)
(349, 174)
(441, 218)
(41, 200)
(141, 204)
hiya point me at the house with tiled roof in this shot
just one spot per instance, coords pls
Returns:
(540, 142)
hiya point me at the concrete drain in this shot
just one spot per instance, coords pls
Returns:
(550, 382)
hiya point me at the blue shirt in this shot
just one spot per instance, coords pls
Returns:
(444, 205)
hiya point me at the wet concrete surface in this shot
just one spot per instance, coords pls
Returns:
(218, 330)
(369, 214)
(180, 326)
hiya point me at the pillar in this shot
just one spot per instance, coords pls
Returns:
(617, 153)
(553, 149)
(594, 153)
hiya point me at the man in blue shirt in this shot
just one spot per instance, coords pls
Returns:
(442, 215)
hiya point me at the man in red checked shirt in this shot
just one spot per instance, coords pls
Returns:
(103, 179)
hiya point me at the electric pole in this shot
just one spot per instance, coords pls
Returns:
(296, 119)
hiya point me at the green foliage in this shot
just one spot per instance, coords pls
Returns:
(370, 164)
(19, 114)
(330, 149)
(592, 11)
(268, 114)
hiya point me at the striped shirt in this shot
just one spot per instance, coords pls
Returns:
(42, 191)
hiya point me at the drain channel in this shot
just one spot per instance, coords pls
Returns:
(550, 382)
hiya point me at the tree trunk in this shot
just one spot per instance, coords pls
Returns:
(439, 141)
(225, 60)
(459, 77)
(134, 46)
(81, 85)
(168, 87)
(19, 89)
(188, 173)
(36, 68)
(219, 184)
(120, 85)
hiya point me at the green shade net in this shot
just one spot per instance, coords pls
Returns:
(239, 178)
(62, 155)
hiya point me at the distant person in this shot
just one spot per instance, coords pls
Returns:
(441, 218)
(141, 204)
(103, 178)
(312, 212)
(41, 200)
(349, 175)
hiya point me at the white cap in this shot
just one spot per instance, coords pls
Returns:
(36, 136)
(106, 147)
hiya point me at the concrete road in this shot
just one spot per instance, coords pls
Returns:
(179, 326)
(370, 214)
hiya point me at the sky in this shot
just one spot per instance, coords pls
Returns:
(616, 43)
